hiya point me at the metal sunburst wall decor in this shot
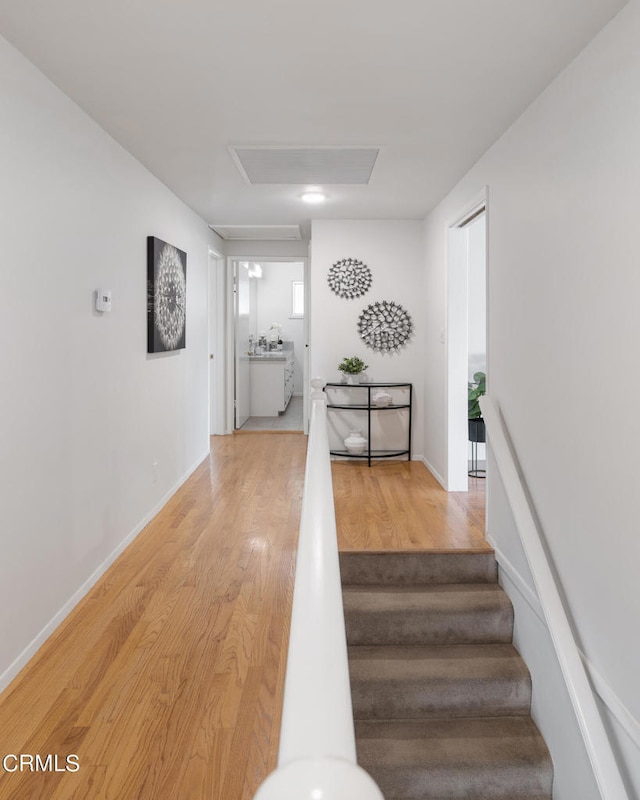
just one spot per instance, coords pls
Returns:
(385, 327)
(349, 278)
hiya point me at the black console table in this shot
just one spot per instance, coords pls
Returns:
(371, 408)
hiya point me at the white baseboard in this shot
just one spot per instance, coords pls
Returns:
(432, 470)
(36, 643)
(617, 708)
(518, 581)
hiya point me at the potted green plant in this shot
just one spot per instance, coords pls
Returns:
(352, 367)
(476, 388)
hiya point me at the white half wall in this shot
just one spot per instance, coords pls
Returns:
(392, 249)
(563, 288)
(95, 433)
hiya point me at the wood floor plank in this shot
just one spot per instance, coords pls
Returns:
(399, 505)
(167, 678)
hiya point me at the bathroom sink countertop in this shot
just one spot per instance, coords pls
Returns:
(274, 356)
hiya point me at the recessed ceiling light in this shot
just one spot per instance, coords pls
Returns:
(314, 197)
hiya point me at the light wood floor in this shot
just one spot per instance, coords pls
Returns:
(166, 680)
(399, 505)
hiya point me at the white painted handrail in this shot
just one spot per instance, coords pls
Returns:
(317, 754)
(598, 745)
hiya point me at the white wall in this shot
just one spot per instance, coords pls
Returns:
(477, 273)
(273, 304)
(267, 249)
(392, 249)
(564, 284)
(85, 411)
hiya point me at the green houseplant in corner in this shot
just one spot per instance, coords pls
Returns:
(352, 367)
(476, 388)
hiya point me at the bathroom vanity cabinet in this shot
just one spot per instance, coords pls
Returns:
(271, 383)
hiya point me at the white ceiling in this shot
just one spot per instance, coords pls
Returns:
(178, 82)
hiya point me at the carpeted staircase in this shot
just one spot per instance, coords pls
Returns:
(440, 696)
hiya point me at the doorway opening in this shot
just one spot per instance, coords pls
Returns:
(270, 344)
(467, 342)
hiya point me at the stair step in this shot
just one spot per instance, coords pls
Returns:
(440, 614)
(500, 758)
(418, 568)
(438, 680)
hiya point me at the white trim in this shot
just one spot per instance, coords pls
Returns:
(36, 643)
(229, 345)
(432, 470)
(615, 706)
(216, 334)
(456, 430)
(306, 335)
(456, 352)
(518, 581)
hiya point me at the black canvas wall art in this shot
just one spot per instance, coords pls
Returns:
(166, 296)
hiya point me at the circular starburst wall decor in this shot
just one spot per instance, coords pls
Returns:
(385, 327)
(349, 278)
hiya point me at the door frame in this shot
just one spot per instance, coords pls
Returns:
(229, 389)
(456, 427)
(216, 345)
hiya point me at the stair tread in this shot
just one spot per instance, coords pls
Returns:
(418, 567)
(435, 741)
(438, 594)
(416, 681)
(441, 698)
(378, 662)
(474, 758)
(445, 614)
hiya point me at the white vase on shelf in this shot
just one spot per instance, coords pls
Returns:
(355, 443)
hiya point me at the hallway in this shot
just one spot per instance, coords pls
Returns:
(166, 680)
(290, 420)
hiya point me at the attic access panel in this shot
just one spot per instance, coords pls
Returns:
(306, 165)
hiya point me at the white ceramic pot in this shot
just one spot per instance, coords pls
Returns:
(355, 443)
(382, 399)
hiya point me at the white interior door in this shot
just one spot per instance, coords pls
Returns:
(242, 364)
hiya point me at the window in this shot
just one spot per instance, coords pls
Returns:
(297, 299)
